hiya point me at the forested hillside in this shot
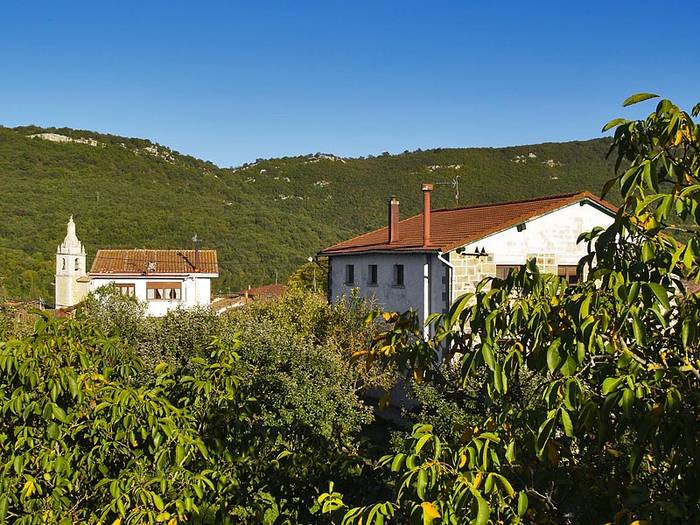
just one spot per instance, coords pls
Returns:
(263, 218)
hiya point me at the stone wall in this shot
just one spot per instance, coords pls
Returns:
(469, 270)
(546, 262)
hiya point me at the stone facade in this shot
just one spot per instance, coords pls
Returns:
(469, 270)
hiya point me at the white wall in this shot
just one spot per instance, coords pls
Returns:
(387, 296)
(555, 232)
(195, 291)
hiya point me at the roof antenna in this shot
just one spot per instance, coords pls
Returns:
(454, 183)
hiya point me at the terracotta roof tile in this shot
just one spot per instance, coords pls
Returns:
(451, 228)
(153, 262)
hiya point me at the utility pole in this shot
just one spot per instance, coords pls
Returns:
(313, 260)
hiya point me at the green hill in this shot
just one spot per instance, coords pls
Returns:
(263, 218)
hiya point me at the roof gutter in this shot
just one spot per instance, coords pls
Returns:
(394, 251)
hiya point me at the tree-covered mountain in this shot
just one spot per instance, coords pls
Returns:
(265, 218)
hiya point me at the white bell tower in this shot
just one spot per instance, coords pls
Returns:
(70, 267)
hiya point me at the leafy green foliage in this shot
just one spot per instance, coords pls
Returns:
(84, 442)
(263, 218)
(189, 418)
(312, 276)
(590, 392)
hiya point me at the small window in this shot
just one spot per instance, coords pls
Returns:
(128, 289)
(63, 266)
(502, 270)
(164, 291)
(372, 275)
(398, 275)
(350, 274)
(77, 264)
(568, 272)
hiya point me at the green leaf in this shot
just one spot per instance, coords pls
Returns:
(639, 97)
(545, 431)
(522, 504)
(484, 512)
(688, 331)
(553, 357)
(498, 378)
(610, 384)
(569, 366)
(660, 293)
(510, 452)
(158, 502)
(627, 402)
(421, 483)
(397, 462)
(613, 123)
(640, 332)
(506, 485)
(422, 441)
(566, 421)
(489, 357)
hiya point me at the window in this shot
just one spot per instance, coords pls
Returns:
(164, 291)
(63, 266)
(502, 270)
(128, 289)
(372, 275)
(568, 272)
(445, 290)
(77, 264)
(350, 274)
(398, 275)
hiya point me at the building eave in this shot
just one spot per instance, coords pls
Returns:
(153, 275)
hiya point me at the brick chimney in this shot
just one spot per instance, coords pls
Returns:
(426, 189)
(393, 220)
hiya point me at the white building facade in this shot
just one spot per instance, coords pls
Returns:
(162, 279)
(427, 261)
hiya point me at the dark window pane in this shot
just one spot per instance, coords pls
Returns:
(349, 274)
(398, 275)
(372, 274)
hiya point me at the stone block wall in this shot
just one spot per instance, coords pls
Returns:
(546, 262)
(469, 270)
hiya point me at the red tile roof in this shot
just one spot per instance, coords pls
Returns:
(451, 228)
(153, 262)
(267, 291)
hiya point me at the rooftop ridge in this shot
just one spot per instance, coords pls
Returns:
(520, 201)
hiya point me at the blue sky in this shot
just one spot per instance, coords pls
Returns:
(232, 81)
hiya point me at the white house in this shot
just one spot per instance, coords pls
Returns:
(426, 261)
(163, 279)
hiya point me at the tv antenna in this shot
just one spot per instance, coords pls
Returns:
(455, 185)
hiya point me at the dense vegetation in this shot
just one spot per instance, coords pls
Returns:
(113, 416)
(264, 219)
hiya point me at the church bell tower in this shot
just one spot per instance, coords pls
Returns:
(71, 284)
